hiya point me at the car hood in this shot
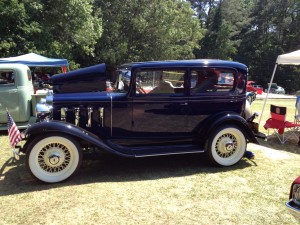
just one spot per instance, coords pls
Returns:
(88, 79)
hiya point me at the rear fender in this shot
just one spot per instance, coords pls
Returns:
(61, 127)
(225, 118)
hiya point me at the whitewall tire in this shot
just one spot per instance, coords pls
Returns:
(53, 158)
(226, 146)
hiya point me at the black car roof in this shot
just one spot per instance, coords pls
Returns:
(185, 63)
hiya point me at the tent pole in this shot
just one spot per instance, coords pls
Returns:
(267, 93)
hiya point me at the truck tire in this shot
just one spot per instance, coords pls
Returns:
(226, 145)
(52, 158)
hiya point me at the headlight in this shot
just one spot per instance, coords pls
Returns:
(296, 193)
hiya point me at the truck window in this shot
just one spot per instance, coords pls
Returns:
(7, 77)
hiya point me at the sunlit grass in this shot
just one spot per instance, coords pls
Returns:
(160, 190)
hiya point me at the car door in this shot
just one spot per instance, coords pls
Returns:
(159, 105)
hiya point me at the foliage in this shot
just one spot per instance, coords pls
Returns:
(147, 30)
(57, 28)
(271, 34)
(88, 32)
(253, 32)
(16, 31)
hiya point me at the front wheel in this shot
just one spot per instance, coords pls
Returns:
(52, 158)
(226, 146)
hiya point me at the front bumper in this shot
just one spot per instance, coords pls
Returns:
(294, 209)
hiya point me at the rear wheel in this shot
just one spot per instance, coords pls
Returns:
(52, 158)
(226, 146)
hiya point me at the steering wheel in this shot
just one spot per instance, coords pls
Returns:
(139, 89)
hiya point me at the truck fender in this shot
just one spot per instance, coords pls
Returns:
(214, 121)
(61, 127)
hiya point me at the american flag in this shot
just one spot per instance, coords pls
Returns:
(13, 132)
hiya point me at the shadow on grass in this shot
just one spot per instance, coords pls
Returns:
(110, 168)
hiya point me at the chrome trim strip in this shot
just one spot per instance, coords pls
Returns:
(101, 116)
(294, 211)
(90, 111)
(63, 113)
(77, 117)
(175, 153)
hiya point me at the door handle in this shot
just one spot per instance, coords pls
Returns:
(12, 92)
(183, 104)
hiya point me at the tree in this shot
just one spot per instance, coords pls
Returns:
(140, 30)
(225, 22)
(69, 28)
(273, 32)
(56, 28)
(15, 29)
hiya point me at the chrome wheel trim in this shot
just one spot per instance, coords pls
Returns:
(54, 158)
(226, 145)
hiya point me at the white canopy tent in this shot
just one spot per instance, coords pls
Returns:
(292, 58)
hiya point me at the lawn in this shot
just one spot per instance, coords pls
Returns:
(159, 190)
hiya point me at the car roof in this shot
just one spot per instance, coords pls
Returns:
(186, 63)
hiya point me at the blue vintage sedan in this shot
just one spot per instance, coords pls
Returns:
(155, 108)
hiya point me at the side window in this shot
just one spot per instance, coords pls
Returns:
(160, 82)
(7, 77)
(212, 80)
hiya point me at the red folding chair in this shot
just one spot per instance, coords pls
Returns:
(283, 129)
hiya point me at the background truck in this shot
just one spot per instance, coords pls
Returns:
(17, 95)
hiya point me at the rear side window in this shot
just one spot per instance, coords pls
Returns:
(7, 77)
(212, 80)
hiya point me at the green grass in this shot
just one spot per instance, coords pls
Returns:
(160, 190)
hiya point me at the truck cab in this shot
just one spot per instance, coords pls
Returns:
(16, 93)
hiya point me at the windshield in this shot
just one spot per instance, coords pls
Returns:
(123, 81)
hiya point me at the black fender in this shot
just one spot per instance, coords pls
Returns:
(214, 121)
(61, 127)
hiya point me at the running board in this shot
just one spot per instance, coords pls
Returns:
(156, 150)
(170, 153)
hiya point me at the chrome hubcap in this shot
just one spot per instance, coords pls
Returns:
(226, 145)
(54, 158)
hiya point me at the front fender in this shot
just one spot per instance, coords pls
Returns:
(61, 127)
(214, 121)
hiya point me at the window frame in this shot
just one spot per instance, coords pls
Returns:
(229, 69)
(184, 70)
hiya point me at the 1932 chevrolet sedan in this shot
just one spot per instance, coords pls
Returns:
(155, 108)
